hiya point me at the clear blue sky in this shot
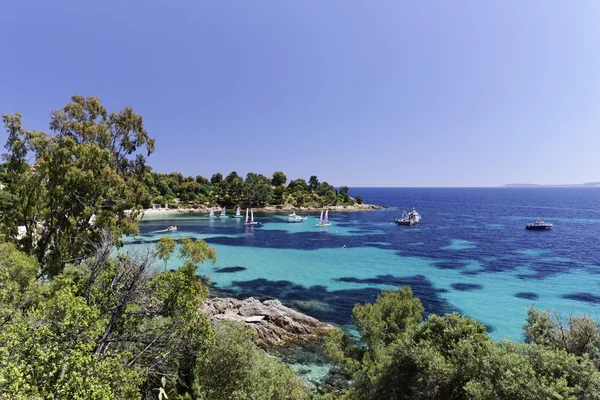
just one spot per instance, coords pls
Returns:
(359, 93)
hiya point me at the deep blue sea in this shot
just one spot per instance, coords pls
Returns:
(470, 253)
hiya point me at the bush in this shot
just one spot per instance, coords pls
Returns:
(235, 368)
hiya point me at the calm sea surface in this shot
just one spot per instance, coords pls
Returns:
(471, 253)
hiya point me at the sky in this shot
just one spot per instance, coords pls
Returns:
(359, 93)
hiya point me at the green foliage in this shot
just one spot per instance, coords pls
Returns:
(86, 177)
(279, 179)
(234, 368)
(17, 274)
(165, 247)
(197, 251)
(452, 357)
(254, 191)
(388, 317)
(576, 335)
(216, 178)
(359, 199)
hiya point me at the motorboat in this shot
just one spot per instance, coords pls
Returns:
(410, 218)
(172, 228)
(293, 217)
(539, 225)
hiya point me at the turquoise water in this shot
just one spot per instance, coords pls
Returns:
(471, 253)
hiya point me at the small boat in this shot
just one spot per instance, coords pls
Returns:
(223, 212)
(251, 221)
(539, 225)
(172, 228)
(410, 218)
(211, 214)
(237, 213)
(295, 218)
(324, 221)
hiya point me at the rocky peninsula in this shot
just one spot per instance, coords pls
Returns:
(274, 323)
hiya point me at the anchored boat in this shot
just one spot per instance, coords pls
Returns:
(295, 218)
(324, 221)
(410, 218)
(539, 225)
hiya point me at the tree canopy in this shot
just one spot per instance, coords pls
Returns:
(452, 356)
(85, 179)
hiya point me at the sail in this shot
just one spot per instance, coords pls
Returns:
(237, 211)
(252, 215)
(246, 215)
(211, 212)
(321, 218)
(223, 211)
(326, 216)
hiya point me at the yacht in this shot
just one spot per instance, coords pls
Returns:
(295, 218)
(172, 228)
(539, 225)
(410, 218)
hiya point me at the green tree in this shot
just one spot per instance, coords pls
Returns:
(202, 180)
(258, 190)
(164, 248)
(298, 185)
(196, 251)
(216, 178)
(86, 180)
(279, 179)
(359, 199)
(234, 368)
(313, 182)
(344, 194)
(452, 357)
(578, 335)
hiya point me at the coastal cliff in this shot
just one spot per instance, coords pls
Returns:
(274, 323)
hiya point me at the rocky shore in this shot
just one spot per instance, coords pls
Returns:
(274, 323)
(266, 209)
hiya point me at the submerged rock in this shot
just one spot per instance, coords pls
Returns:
(274, 323)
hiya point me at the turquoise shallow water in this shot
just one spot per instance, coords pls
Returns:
(471, 253)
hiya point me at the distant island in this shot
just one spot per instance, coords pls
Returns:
(587, 184)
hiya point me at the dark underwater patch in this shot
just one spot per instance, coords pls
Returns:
(583, 297)
(466, 287)
(229, 270)
(527, 295)
(340, 302)
(449, 265)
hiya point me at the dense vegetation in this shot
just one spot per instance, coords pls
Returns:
(255, 190)
(452, 357)
(78, 321)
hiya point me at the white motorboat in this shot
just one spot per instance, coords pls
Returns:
(293, 217)
(410, 218)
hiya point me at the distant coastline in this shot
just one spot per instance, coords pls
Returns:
(567, 185)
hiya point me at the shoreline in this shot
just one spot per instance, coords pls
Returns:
(267, 209)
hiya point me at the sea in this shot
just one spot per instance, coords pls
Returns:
(470, 253)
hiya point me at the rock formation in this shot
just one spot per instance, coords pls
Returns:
(274, 323)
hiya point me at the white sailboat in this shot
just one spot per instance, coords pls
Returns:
(324, 221)
(211, 214)
(251, 221)
(223, 212)
(237, 212)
